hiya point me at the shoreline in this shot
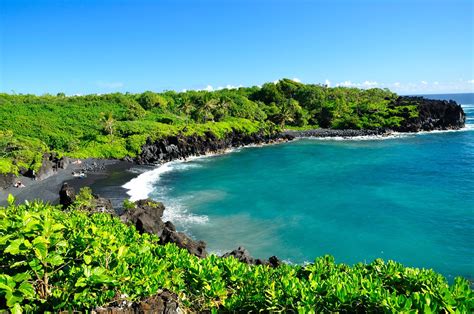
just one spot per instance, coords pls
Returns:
(107, 177)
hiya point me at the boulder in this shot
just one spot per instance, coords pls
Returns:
(63, 162)
(146, 217)
(7, 180)
(244, 256)
(67, 195)
(47, 168)
(164, 302)
(103, 205)
(170, 235)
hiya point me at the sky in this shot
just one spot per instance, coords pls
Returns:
(85, 46)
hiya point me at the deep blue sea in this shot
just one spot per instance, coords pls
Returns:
(409, 198)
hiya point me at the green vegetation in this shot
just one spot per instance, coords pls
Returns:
(117, 125)
(75, 260)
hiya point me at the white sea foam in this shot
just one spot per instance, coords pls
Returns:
(141, 186)
(175, 211)
(361, 138)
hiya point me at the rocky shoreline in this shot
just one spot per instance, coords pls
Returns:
(433, 115)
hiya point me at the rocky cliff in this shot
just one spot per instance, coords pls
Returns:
(432, 115)
(181, 147)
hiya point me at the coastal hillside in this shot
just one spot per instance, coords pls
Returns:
(35, 130)
(83, 259)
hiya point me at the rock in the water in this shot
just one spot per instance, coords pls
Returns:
(241, 254)
(146, 217)
(244, 256)
(67, 195)
(170, 235)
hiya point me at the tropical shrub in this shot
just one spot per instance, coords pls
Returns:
(54, 260)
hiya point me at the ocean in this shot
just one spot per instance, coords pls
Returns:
(407, 197)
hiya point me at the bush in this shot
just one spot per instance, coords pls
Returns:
(53, 260)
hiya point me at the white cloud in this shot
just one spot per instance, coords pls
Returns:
(296, 80)
(209, 88)
(365, 84)
(370, 84)
(109, 85)
(327, 83)
(435, 87)
(345, 84)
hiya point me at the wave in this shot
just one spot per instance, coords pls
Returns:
(176, 212)
(395, 135)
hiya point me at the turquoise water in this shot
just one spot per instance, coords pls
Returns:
(408, 198)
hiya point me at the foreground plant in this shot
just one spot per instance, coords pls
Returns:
(52, 260)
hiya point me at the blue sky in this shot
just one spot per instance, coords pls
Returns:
(84, 46)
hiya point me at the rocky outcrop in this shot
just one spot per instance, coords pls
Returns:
(7, 180)
(164, 302)
(181, 147)
(244, 256)
(146, 217)
(67, 195)
(432, 115)
(334, 133)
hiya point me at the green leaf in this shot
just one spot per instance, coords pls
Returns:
(16, 309)
(40, 245)
(14, 247)
(27, 289)
(11, 199)
(4, 239)
(55, 260)
(6, 288)
(87, 259)
(21, 277)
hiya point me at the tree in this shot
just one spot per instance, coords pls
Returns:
(108, 122)
(149, 100)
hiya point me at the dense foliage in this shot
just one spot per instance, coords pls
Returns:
(117, 125)
(75, 260)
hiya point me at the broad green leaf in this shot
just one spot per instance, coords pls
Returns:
(87, 259)
(40, 245)
(4, 239)
(14, 247)
(27, 289)
(54, 260)
(16, 309)
(21, 277)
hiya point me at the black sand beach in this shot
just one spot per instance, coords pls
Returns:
(106, 180)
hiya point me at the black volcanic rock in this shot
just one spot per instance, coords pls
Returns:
(146, 217)
(163, 302)
(181, 147)
(433, 115)
(7, 180)
(67, 195)
(244, 256)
